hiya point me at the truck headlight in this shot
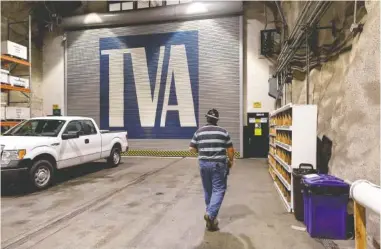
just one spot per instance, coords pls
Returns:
(12, 155)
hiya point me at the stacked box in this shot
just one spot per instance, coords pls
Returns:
(2, 112)
(20, 82)
(14, 49)
(17, 113)
(4, 76)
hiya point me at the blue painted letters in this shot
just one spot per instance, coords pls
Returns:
(149, 84)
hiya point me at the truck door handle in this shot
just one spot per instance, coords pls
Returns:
(249, 140)
(86, 141)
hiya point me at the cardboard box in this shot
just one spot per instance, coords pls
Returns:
(4, 76)
(2, 112)
(17, 113)
(14, 49)
(17, 81)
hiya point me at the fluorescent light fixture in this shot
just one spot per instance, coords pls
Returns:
(114, 7)
(196, 8)
(92, 18)
(173, 2)
(127, 5)
(143, 4)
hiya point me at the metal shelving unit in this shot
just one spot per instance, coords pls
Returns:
(293, 143)
(9, 63)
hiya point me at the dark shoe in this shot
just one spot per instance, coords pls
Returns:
(211, 224)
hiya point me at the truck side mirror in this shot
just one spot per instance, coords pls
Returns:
(70, 135)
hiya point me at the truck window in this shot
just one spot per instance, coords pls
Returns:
(74, 126)
(88, 127)
(37, 127)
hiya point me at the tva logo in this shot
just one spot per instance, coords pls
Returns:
(149, 84)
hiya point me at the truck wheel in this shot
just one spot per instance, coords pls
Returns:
(41, 174)
(115, 158)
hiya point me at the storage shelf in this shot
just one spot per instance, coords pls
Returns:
(271, 174)
(272, 145)
(9, 123)
(283, 128)
(284, 146)
(7, 58)
(298, 124)
(272, 166)
(285, 202)
(7, 87)
(284, 165)
(272, 155)
(282, 109)
(281, 178)
(272, 135)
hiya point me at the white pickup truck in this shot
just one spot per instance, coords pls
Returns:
(38, 147)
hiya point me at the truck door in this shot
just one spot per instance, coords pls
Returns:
(71, 151)
(92, 147)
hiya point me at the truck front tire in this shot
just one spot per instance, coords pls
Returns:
(41, 174)
(114, 158)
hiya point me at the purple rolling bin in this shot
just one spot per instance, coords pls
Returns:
(325, 206)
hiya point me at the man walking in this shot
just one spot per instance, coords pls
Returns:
(215, 154)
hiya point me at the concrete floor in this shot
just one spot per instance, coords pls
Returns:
(149, 203)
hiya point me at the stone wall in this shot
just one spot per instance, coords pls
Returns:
(347, 92)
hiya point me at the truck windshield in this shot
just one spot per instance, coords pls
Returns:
(37, 127)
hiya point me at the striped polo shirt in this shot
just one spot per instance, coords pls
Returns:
(211, 142)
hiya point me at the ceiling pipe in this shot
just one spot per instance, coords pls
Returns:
(179, 12)
(284, 23)
(314, 17)
(296, 27)
(281, 13)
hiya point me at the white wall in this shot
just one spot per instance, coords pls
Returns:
(257, 68)
(53, 73)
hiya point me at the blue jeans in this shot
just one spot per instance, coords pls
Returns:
(214, 181)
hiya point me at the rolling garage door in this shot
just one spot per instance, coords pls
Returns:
(157, 81)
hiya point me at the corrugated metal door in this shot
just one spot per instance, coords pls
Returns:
(157, 81)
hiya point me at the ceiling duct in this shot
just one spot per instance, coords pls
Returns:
(179, 12)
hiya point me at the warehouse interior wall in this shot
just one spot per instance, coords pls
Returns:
(54, 74)
(257, 69)
(346, 90)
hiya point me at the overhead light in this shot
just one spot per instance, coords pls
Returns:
(92, 18)
(196, 8)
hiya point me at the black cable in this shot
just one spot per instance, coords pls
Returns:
(265, 16)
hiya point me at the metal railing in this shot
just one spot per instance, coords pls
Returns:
(367, 197)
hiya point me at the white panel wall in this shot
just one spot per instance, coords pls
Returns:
(257, 67)
(53, 73)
